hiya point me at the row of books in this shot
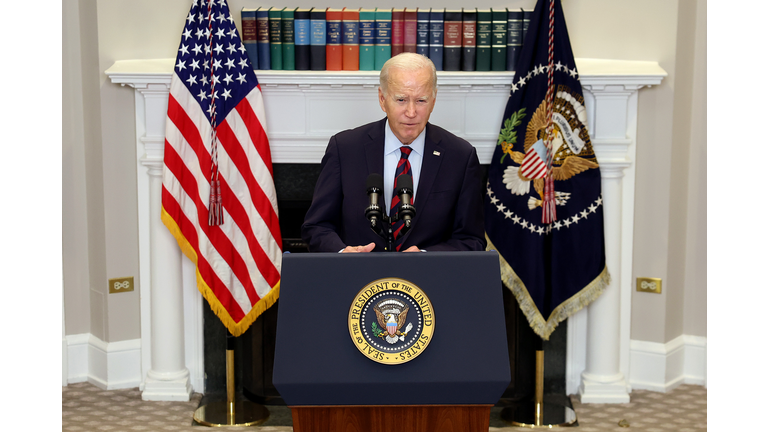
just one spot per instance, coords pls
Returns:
(363, 39)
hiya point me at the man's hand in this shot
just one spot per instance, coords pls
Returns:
(355, 249)
(412, 249)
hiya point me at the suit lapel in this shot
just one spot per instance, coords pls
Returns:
(430, 165)
(374, 149)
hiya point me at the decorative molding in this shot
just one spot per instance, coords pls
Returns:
(64, 351)
(77, 357)
(109, 366)
(663, 366)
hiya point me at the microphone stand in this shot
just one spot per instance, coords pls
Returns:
(376, 216)
(386, 233)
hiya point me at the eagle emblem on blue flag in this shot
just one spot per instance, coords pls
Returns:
(573, 153)
(543, 204)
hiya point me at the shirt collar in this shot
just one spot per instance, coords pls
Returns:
(392, 144)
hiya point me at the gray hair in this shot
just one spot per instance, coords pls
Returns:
(410, 62)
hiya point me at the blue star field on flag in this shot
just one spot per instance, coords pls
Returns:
(554, 268)
(212, 61)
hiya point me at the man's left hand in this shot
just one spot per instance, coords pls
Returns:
(412, 249)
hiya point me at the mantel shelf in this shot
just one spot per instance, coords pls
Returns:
(592, 71)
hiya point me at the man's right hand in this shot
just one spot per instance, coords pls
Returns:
(355, 249)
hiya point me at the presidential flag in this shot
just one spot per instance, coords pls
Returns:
(218, 197)
(543, 205)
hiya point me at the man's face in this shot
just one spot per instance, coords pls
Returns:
(409, 102)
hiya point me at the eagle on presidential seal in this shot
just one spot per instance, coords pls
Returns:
(391, 315)
(571, 146)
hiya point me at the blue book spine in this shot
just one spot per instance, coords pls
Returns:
(262, 38)
(350, 33)
(301, 31)
(248, 22)
(317, 39)
(436, 37)
(333, 33)
(526, 22)
(514, 37)
(422, 32)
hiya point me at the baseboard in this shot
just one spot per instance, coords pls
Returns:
(662, 367)
(109, 366)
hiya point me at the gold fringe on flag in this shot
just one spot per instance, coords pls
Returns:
(569, 307)
(236, 328)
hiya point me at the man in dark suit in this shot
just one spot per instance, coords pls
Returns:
(446, 173)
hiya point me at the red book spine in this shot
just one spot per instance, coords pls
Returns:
(468, 35)
(452, 41)
(350, 57)
(398, 31)
(333, 46)
(452, 37)
(409, 31)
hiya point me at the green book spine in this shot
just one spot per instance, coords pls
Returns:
(367, 36)
(483, 40)
(499, 39)
(288, 37)
(275, 39)
(383, 41)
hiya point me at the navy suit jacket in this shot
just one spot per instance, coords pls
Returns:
(448, 202)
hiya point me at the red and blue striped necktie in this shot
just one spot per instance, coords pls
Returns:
(403, 167)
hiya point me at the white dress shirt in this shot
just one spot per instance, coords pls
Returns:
(392, 157)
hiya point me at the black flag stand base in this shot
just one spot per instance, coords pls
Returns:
(537, 413)
(231, 412)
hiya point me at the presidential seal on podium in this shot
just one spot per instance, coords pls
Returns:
(391, 321)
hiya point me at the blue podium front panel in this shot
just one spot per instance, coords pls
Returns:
(317, 362)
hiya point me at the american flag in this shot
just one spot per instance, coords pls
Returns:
(216, 129)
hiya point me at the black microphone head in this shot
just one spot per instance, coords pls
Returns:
(374, 181)
(405, 182)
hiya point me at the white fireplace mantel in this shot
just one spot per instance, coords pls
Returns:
(305, 108)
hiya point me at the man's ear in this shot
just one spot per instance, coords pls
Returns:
(381, 100)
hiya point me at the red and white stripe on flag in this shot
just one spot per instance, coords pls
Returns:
(534, 163)
(238, 263)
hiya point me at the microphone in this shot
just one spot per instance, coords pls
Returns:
(374, 186)
(405, 192)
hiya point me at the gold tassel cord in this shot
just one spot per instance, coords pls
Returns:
(578, 301)
(236, 328)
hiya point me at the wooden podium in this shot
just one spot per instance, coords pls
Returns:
(401, 418)
(450, 385)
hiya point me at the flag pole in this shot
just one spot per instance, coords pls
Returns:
(536, 413)
(231, 412)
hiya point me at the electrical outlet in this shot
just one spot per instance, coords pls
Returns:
(120, 285)
(649, 285)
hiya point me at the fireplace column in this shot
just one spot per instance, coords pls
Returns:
(167, 377)
(613, 130)
(602, 380)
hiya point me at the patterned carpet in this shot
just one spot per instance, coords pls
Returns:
(86, 408)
